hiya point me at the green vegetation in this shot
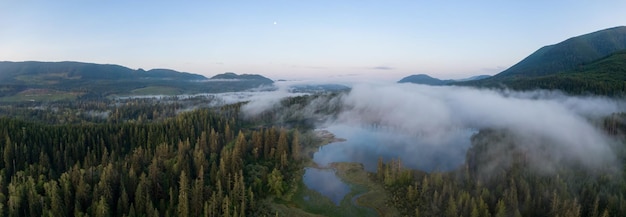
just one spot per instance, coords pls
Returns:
(313, 202)
(606, 76)
(192, 164)
(147, 157)
(484, 187)
(569, 54)
(594, 63)
(40, 95)
(374, 196)
(98, 81)
(307, 202)
(425, 79)
(156, 90)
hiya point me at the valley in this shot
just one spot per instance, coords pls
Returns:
(543, 137)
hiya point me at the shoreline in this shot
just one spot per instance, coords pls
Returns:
(364, 193)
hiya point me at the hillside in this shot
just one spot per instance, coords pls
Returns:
(606, 76)
(593, 63)
(423, 79)
(428, 80)
(569, 54)
(32, 80)
(242, 77)
(25, 72)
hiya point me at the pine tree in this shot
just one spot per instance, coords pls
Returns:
(54, 197)
(197, 195)
(451, 210)
(282, 146)
(183, 196)
(500, 209)
(295, 146)
(102, 208)
(9, 156)
(275, 182)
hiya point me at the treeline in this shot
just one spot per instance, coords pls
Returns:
(301, 112)
(106, 110)
(574, 83)
(200, 163)
(605, 76)
(488, 187)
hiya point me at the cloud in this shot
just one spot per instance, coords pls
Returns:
(430, 127)
(265, 100)
(308, 67)
(382, 68)
(432, 117)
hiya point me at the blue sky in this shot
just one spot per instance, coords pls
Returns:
(299, 39)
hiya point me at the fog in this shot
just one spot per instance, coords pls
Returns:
(430, 127)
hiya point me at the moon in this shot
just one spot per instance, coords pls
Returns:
(274, 22)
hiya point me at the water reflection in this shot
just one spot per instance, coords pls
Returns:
(326, 183)
(365, 146)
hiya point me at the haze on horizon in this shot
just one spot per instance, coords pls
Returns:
(298, 40)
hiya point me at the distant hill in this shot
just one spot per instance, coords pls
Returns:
(99, 80)
(569, 54)
(243, 77)
(171, 74)
(423, 79)
(318, 88)
(25, 72)
(426, 79)
(474, 78)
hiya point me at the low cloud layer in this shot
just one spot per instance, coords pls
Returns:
(432, 123)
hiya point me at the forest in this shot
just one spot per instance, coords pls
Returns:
(196, 156)
(143, 160)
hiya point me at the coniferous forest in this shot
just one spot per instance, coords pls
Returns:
(203, 162)
(513, 187)
(181, 157)
(298, 110)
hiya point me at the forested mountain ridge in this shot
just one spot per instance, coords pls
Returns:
(569, 54)
(423, 79)
(428, 80)
(26, 72)
(606, 76)
(593, 63)
(233, 76)
(69, 80)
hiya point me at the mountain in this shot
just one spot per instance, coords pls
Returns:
(243, 77)
(473, 78)
(426, 79)
(591, 63)
(318, 88)
(606, 76)
(171, 74)
(25, 72)
(77, 79)
(569, 54)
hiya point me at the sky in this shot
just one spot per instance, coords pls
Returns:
(340, 40)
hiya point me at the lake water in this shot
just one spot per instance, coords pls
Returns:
(326, 183)
(367, 145)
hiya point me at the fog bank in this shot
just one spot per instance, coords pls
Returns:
(431, 122)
